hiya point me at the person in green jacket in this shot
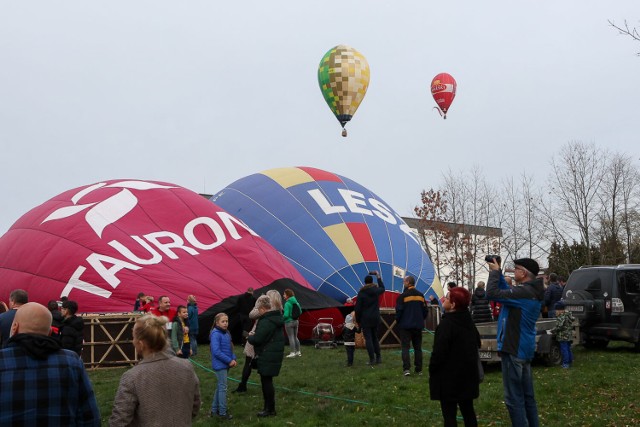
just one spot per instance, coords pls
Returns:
(268, 341)
(291, 324)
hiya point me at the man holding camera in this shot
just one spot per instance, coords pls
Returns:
(517, 334)
(368, 315)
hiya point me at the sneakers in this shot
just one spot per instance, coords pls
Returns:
(418, 372)
(226, 416)
(299, 354)
(266, 413)
(292, 354)
(407, 373)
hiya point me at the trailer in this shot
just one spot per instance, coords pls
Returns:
(547, 348)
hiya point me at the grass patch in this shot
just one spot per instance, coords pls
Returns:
(601, 389)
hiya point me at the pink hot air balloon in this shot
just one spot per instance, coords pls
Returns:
(443, 89)
(104, 243)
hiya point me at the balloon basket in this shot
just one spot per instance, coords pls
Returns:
(108, 340)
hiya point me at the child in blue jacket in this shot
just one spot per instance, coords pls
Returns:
(222, 358)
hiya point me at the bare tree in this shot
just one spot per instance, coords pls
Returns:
(627, 31)
(617, 170)
(629, 196)
(575, 183)
(512, 239)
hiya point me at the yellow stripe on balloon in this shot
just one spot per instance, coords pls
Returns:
(288, 177)
(344, 241)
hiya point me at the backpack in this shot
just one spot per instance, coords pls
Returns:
(296, 311)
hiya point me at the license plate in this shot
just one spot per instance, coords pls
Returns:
(578, 308)
(485, 355)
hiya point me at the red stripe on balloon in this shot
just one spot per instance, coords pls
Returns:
(320, 175)
(362, 237)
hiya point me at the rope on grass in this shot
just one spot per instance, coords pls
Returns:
(328, 396)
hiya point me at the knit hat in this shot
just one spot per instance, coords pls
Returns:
(529, 264)
(559, 305)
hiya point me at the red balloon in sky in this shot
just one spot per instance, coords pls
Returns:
(443, 89)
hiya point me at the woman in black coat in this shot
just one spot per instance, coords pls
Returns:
(453, 369)
(480, 307)
(268, 341)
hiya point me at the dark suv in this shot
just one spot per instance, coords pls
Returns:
(606, 301)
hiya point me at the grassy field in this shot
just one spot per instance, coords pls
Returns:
(601, 389)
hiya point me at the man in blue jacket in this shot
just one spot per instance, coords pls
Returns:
(411, 310)
(517, 335)
(552, 295)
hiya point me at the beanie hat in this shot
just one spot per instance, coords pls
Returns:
(529, 264)
(559, 305)
(368, 279)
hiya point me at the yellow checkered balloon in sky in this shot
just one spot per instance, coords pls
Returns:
(343, 75)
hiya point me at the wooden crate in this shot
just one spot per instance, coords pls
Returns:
(108, 340)
(389, 331)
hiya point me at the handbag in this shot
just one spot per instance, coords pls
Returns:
(480, 371)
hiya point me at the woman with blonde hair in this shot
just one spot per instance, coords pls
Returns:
(161, 389)
(268, 341)
(276, 300)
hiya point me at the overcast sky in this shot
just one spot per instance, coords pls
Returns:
(202, 93)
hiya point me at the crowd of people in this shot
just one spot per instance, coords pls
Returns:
(34, 336)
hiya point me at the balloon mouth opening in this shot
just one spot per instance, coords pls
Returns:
(344, 118)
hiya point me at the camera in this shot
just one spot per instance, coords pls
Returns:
(490, 258)
(373, 273)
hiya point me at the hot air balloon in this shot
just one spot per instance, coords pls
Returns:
(443, 89)
(101, 244)
(343, 75)
(331, 228)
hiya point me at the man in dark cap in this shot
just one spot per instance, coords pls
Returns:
(517, 335)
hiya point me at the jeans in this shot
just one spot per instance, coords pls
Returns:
(518, 391)
(292, 332)
(567, 355)
(185, 351)
(219, 405)
(450, 408)
(194, 343)
(373, 345)
(411, 337)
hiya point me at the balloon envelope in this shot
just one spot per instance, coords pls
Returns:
(443, 89)
(104, 243)
(331, 228)
(343, 75)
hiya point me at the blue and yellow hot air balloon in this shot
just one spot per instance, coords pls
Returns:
(332, 229)
(343, 75)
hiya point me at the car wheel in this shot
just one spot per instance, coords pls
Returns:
(554, 357)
